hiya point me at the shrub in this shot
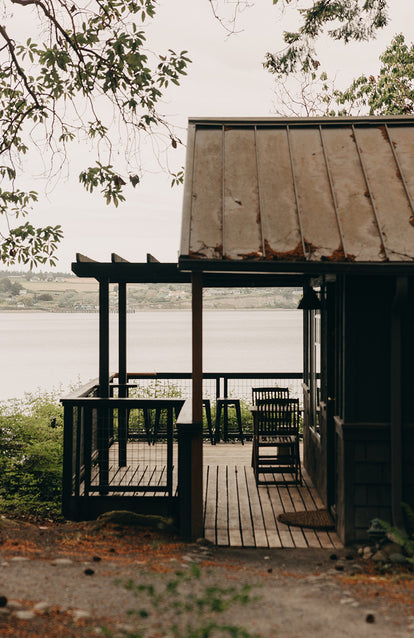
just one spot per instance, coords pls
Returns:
(31, 454)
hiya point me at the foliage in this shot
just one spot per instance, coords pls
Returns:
(406, 541)
(31, 453)
(9, 287)
(391, 92)
(83, 68)
(344, 20)
(191, 608)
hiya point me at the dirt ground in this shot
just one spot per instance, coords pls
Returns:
(84, 579)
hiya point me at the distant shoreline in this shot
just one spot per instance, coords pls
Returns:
(40, 311)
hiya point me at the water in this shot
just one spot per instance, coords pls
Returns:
(42, 351)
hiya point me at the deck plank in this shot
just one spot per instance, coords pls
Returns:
(210, 504)
(271, 527)
(328, 539)
(277, 506)
(298, 499)
(259, 527)
(222, 519)
(288, 506)
(246, 526)
(235, 537)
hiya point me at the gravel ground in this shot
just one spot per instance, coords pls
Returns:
(70, 580)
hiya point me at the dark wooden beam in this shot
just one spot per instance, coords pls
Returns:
(129, 272)
(122, 337)
(103, 338)
(120, 270)
(398, 309)
(197, 406)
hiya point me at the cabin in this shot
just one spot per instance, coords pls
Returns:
(323, 203)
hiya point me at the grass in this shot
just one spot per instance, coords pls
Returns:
(185, 606)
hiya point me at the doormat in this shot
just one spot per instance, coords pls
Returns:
(314, 519)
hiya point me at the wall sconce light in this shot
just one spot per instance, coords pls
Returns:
(310, 300)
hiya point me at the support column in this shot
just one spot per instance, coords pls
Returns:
(197, 406)
(398, 308)
(104, 338)
(103, 413)
(122, 373)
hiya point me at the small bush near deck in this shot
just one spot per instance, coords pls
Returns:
(31, 454)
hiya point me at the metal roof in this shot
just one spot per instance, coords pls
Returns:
(301, 191)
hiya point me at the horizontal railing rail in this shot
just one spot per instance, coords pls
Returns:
(215, 384)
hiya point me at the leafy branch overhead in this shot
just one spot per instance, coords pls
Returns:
(84, 68)
(390, 92)
(344, 20)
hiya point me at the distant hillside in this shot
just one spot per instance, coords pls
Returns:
(61, 292)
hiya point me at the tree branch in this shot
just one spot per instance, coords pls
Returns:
(72, 42)
(10, 46)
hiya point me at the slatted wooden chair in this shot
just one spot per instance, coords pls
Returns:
(269, 393)
(275, 452)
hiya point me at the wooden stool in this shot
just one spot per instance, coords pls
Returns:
(222, 405)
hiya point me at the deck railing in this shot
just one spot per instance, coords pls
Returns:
(119, 452)
(215, 384)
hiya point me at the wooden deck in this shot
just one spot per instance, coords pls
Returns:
(238, 513)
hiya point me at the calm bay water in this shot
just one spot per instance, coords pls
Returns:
(45, 351)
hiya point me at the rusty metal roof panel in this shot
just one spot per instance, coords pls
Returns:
(241, 211)
(360, 238)
(206, 231)
(317, 211)
(280, 231)
(300, 190)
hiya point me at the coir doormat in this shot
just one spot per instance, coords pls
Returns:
(314, 519)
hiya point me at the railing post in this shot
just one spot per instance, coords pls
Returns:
(189, 470)
(67, 459)
(170, 440)
(122, 373)
(196, 447)
(218, 385)
(103, 413)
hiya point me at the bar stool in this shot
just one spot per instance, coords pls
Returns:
(222, 405)
(206, 406)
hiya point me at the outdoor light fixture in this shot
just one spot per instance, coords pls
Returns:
(310, 300)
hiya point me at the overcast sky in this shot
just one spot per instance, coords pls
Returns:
(226, 78)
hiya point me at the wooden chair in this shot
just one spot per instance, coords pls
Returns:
(276, 441)
(269, 393)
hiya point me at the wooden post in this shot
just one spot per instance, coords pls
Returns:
(397, 311)
(67, 459)
(122, 373)
(197, 407)
(103, 414)
(104, 338)
(122, 338)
